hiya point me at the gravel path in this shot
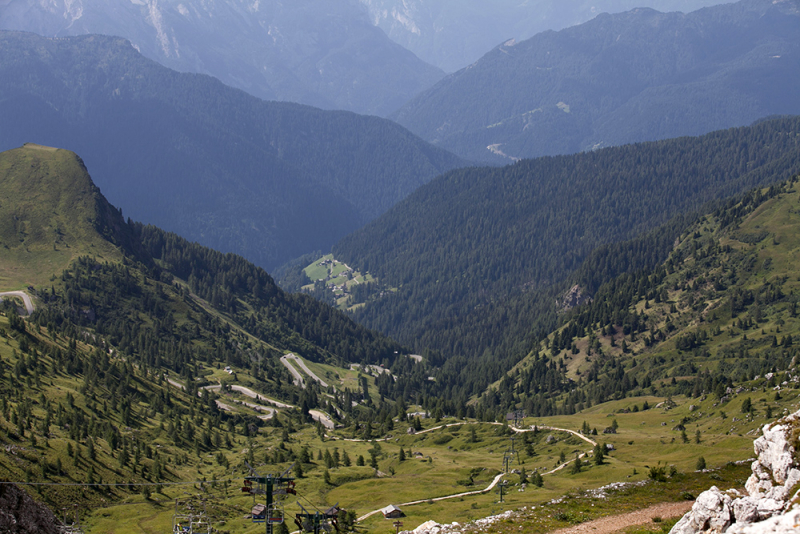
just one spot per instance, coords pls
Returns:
(613, 523)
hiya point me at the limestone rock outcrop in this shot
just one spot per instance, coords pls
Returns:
(772, 503)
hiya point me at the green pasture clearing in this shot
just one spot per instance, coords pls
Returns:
(315, 271)
(454, 457)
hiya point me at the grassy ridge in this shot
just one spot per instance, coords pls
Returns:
(48, 215)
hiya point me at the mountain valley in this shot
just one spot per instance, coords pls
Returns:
(267, 180)
(229, 315)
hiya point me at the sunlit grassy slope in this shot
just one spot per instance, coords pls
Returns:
(48, 215)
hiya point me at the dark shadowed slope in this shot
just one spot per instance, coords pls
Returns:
(267, 180)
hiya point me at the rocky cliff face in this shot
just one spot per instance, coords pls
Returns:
(19, 514)
(772, 503)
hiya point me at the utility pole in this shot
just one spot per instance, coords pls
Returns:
(502, 487)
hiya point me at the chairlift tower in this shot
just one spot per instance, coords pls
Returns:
(274, 488)
(317, 522)
(502, 485)
(190, 517)
(510, 454)
(74, 527)
(519, 416)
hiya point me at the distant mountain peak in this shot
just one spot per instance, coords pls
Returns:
(636, 76)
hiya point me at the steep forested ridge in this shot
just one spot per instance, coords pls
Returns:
(478, 254)
(117, 376)
(267, 180)
(629, 77)
(135, 285)
(720, 311)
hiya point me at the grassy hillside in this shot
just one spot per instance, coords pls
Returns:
(49, 216)
(716, 320)
(117, 377)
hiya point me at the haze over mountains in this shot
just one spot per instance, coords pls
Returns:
(322, 53)
(634, 76)
(268, 180)
(451, 34)
(575, 287)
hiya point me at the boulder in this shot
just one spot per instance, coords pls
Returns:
(711, 513)
(768, 508)
(764, 510)
(774, 451)
(745, 510)
(428, 527)
(788, 523)
(760, 482)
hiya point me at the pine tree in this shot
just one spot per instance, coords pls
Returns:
(598, 454)
(576, 466)
(701, 464)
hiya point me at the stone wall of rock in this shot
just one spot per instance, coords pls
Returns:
(772, 503)
(20, 514)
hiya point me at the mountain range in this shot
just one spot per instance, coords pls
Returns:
(634, 76)
(325, 54)
(268, 180)
(452, 34)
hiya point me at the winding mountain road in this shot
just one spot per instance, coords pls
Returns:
(253, 395)
(220, 405)
(21, 294)
(497, 478)
(316, 415)
(494, 482)
(298, 378)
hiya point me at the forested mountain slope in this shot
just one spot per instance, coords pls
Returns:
(451, 34)
(54, 215)
(267, 180)
(719, 312)
(324, 54)
(635, 76)
(477, 254)
(117, 377)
